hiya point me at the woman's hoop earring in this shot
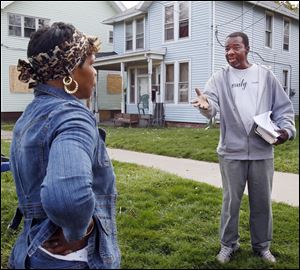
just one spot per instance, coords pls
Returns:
(67, 80)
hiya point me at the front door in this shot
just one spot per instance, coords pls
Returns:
(142, 86)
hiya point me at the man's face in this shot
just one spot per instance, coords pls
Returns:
(236, 52)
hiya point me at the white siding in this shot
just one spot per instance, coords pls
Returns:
(253, 24)
(196, 50)
(84, 15)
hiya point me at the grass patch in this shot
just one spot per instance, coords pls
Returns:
(192, 143)
(167, 222)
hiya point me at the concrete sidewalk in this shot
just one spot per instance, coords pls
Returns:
(285, 185)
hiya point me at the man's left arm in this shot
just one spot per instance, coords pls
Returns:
(282, 112)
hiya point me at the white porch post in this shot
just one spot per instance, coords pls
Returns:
(150, 84)
(161, 83)
(122, 92)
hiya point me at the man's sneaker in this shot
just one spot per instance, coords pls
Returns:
(267, 256)
(226, 253)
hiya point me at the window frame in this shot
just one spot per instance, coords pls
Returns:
(188, 19)
(134, 34)
(179, 82)
(142, 19)
(176, 23)
(283, 34)
(127, 23)
(111, 37)
(164, 22)
(168, 83)
(270, 31)
(47, 21)
(285, 81)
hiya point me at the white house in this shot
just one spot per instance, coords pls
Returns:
(20, 18)
(167, 48)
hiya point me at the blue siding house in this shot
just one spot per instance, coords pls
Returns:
(167, 48)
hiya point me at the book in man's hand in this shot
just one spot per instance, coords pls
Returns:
(266, 127)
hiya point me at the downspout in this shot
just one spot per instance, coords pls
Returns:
(213, 37)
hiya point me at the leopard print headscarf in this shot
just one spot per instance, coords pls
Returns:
(58, 62)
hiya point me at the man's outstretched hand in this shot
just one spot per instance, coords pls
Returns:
(200, 101)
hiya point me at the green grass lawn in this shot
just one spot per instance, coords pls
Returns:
(192, 143)
(168, 222)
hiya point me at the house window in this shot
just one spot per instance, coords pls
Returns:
(132, 87)
(140, 34)
(169, 89)
(269, 27)
(111, 37)
(286, 34)
(169, 23)
(129, 36)
(183, 19)
(14, 25)
(29, 26)
(23, 26)
(42, 23)
(183, 85)
(285, 83)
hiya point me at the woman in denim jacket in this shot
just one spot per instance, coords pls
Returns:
(64, 178)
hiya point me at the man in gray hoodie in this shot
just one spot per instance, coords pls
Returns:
(240, 91)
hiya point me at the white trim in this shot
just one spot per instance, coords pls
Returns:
(163, 22)
(36, 19)
(122, 92)
(190, 21)
(4, 4)
(176, 23)
(165, 76)
(133, 21)
(130, 57)
(287, 80)
(188, 60)
(127, 51)
(290, 34)
(118, 5)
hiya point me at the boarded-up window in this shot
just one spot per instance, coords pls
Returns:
(15, 85)
(114, 84)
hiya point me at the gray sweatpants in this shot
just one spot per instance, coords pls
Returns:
(259, 176)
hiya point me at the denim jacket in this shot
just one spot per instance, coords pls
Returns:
(64, 178)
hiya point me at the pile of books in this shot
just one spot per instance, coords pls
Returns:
(266, 127)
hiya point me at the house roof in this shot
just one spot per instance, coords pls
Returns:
(4, 4)
(143, 6)
(117, 5)
(129, 13)
(106, 60)
(272, 6)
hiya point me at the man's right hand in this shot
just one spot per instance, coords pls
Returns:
(201, 100)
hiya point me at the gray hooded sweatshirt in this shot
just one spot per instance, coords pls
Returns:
(234, 141)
